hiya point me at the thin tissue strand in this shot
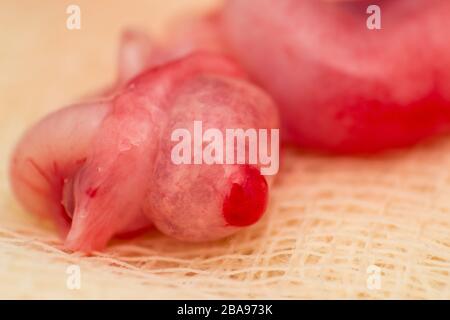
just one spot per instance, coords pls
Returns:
(103, 169)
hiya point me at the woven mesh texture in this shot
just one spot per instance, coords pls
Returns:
(331, 221)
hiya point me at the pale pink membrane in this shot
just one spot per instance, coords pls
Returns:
(187, 201)
(95, 167)
(184, 201)
(48, 153)
(109, 188)
(61, 169)
(341, 86)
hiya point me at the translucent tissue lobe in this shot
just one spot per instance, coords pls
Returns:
(103, 169)
(340, 85)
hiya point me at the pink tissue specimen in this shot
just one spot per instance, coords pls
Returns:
(341, 86)
(103, 169)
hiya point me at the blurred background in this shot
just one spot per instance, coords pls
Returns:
(335, 226)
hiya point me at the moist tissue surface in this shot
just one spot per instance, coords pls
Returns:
(328, 221)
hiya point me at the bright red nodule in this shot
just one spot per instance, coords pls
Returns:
(247, 201)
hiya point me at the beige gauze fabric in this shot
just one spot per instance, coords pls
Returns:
(337, 227)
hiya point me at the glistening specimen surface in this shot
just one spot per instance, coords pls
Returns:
(103, 169)
(327, 221)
